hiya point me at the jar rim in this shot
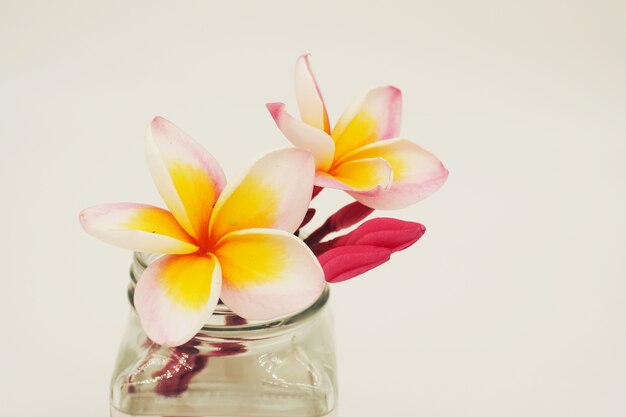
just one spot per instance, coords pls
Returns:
(223, 320)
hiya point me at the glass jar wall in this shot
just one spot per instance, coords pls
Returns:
(231, 368)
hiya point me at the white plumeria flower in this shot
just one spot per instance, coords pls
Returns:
(363, 153)
(231, 241)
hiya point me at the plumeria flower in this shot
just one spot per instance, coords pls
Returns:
(231, 241)
(363, 153)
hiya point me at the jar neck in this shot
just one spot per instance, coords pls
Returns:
(223, 321)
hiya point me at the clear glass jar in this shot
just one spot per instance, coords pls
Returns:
(231, 368)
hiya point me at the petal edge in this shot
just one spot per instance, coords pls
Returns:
(175, 296)
(417, 174)
(273, 193)
(309, 97)
(137, 227)
(188, 178)
(372, 117)
(304, 136)
(268, 273)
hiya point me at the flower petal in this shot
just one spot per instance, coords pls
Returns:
(189, 179)
(309, 96)
(304, 136)
(345, 262)
(175, 296)
(365, 175)
(373, 117)
(274, 193)
(267, 273)
(416, 174)
(137, 227)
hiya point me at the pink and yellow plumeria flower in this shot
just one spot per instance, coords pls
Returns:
(362, 154)
(233, 242)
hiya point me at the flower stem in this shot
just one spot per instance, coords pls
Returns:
(343, 218)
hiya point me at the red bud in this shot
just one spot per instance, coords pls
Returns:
(392, 234)
(345, 262)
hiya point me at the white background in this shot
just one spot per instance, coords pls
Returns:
(513, 303)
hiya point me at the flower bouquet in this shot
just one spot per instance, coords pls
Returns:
(228, 266)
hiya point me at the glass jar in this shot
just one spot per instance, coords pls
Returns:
(231, 368)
